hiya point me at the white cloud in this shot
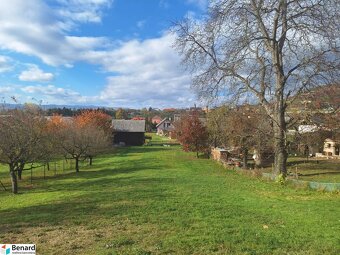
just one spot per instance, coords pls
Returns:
(50, 90)
(147, 73)
(34, 73)
(50, 94)
(87, 43)
(5, 64)
(83, 10)
(5, 90)
(144, 72)
(41, 32)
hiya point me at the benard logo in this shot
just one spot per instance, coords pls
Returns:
(5, 250)
(16, 249)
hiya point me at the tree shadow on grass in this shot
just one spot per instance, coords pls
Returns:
(127, 151)
(101, 173)
(297, 162)
(102, 169)
(104, 197)
(101, 183)
(320, 173)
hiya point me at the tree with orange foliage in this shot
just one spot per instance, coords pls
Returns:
(97, 119)
(81, 137)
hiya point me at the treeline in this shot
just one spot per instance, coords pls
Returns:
(69, 112)
(28, 137)
(119, 113)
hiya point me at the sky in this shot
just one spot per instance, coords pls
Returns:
(112, 53)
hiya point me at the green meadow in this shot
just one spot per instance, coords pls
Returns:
(160, 200)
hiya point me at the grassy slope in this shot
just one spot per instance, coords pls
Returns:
(159, 200)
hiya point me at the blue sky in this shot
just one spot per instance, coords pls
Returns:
(94, 52)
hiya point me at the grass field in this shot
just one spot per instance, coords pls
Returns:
(314, 169)
(160, 200)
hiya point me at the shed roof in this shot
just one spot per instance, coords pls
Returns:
(129, 125)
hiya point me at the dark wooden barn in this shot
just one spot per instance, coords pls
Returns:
(129, 132)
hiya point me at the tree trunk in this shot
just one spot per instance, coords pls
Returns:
(90, 160)
(14, 180)
(77, 165)
(20, 169)
(19, 174)
(245, 158)
(280, 161)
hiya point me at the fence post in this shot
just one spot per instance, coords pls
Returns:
(296, 172)
(44, 171)
(3, 186)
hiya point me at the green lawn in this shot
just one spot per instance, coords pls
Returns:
(160, 200)
(314, 169)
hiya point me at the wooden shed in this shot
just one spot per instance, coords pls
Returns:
(129, 132)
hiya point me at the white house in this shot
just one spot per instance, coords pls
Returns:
(164, 127)
(331, 148)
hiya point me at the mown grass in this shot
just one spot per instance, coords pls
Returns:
(160, 200)
(313, 169)
(316, 169)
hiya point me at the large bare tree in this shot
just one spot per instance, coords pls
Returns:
(22, 141)
(270, 50)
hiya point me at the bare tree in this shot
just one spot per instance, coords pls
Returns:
(217, 124)
(270, 50)
(21, 141)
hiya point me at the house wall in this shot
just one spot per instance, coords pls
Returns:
(219, 155)
(129, 138)
(329, 148)
(159, 131)
(163, 129)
